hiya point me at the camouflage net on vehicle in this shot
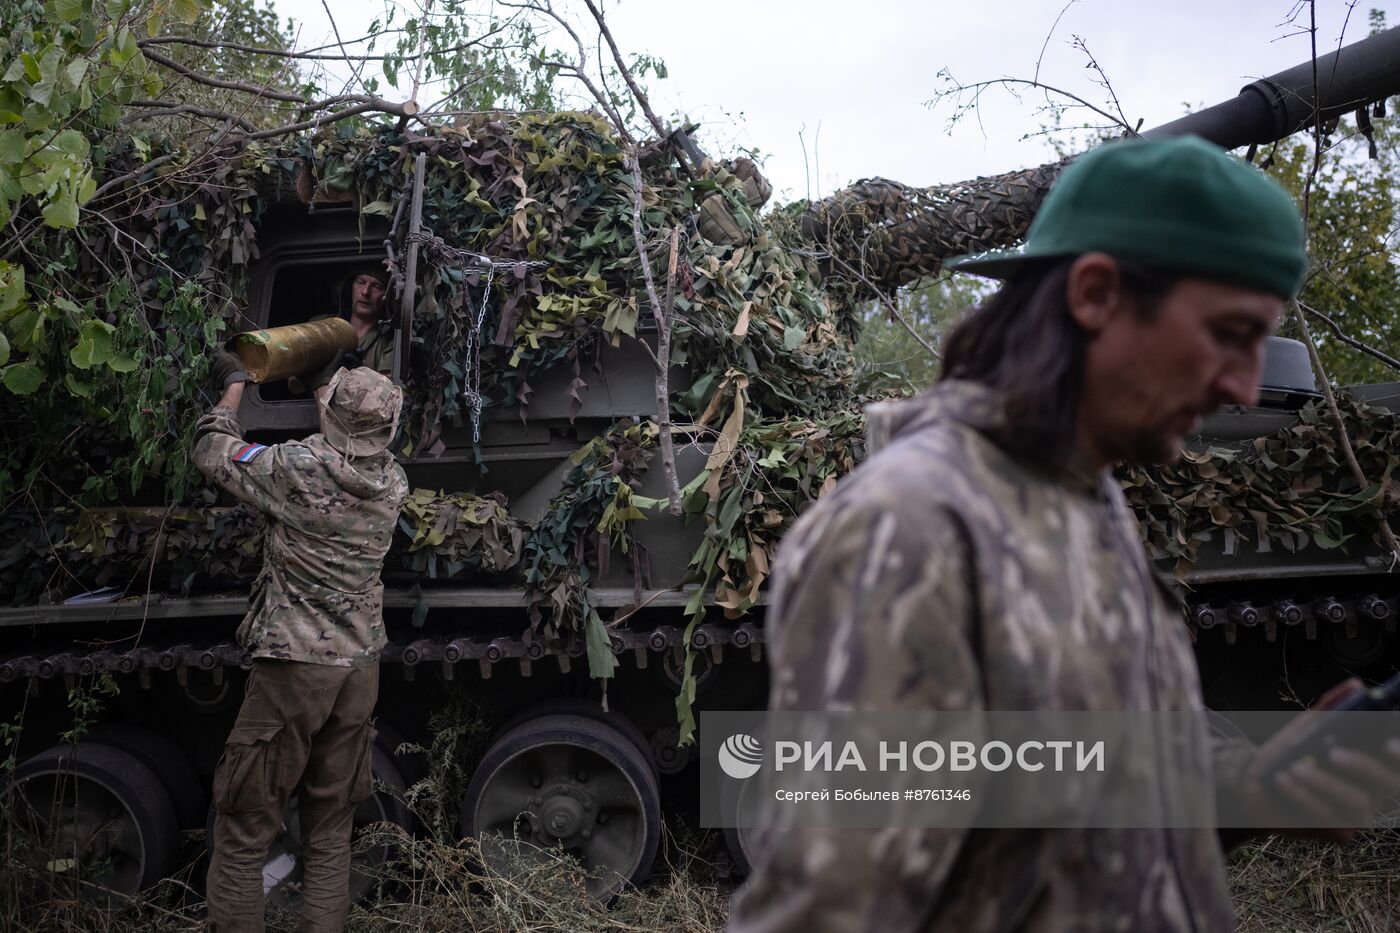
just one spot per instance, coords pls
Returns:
(139, 298)
(590, 515)
(1291, 489)
(200, 549)
(556, 190)
(456, 535)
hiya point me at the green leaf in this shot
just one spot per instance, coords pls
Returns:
(23, 378)
(122, 363)
(12, 146)
(382, 208)
(62, 211)
(11, 288)
(41, 93)
(37, 117)
(80, 389)
(75, 71)
(187, 11)
(66, 11)
(26, 328)
(18, 69)
(71, 142)
(115, 8)
(4, 349)
(94, 344)
(72, 307)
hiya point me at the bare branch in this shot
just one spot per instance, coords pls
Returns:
(1046, 44)
(578, 69)
(1106, 84)
(662, 315)
(212, 81)
(376, 106)
(156, 109)
(632, 85)
(1349, 340)
(274, 53)
(977, 88)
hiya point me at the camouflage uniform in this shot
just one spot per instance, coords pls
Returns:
(943, 575)
(315, 629)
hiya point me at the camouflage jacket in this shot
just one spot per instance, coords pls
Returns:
(942, 575)
(318, 597)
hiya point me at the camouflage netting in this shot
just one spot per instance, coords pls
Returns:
(1291, 490)
(439, 536)
(555, 189)
(116, 426)
(767, 339)
(880, 234)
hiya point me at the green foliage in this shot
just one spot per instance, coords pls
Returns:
(1353, 220)
(483, 60)
(889, 357)
(231, 26)
(68, 66)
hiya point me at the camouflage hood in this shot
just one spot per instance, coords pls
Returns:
(363, 477)
(970, 403)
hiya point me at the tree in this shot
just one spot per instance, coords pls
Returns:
(1353, 278)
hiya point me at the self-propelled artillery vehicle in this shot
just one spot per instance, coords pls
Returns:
(539, 571)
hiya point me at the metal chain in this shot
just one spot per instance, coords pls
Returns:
(471, 390)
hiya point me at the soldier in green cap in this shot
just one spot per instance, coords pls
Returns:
(315, 629)
(983, 558)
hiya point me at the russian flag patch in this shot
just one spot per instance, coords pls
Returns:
(248, 453)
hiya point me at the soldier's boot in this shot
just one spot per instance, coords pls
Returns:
(337, 779)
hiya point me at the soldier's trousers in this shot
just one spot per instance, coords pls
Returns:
(304, 728)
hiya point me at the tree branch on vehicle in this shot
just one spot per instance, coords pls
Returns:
(1387, 534)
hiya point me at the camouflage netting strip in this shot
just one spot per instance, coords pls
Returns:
(453, 535)
(587, 518)
(1290, 489)
(894, 234)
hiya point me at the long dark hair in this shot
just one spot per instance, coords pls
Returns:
(1024, 343)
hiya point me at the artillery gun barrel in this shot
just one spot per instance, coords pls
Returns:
(1280, 105)
(880, 234)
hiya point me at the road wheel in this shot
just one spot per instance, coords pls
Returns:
(567, 782)
(95, 813)
(166, 762)
(589, 709)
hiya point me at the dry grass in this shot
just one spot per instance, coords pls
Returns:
(1287, 886)
(433, 887)
(1280, 886)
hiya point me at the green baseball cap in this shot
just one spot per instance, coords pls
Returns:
(1181, 205)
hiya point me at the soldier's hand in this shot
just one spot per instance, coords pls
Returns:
(1341, 789)
(227, 369)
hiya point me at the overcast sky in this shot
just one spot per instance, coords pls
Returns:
(847, 83)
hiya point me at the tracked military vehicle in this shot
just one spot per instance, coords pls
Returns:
(540, 572)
